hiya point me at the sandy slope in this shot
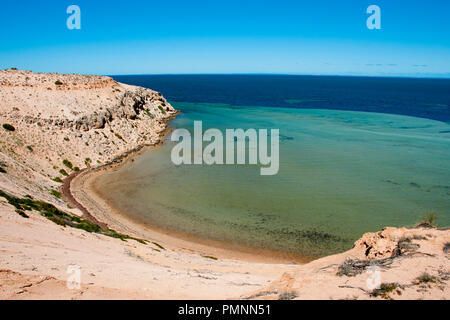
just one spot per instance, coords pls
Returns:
(73, 117)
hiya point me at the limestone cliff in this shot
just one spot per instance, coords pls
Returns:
(53, 124)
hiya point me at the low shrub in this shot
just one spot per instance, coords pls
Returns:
(22, 214)
(426, 278)
(118, 136)
(56, 194)
(428, 221)
(288, 295)
(68, 164)
(9, 127)
(62, 218)
(386, 289)
(162, 110)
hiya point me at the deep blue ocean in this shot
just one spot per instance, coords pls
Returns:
(426, 98)
(356, 155)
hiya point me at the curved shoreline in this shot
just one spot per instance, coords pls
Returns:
(66, 187)
(79, 191)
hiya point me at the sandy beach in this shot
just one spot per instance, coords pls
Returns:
(117, 123)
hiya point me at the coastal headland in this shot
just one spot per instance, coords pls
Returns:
(59, 131)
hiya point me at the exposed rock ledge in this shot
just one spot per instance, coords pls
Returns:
(395, 263)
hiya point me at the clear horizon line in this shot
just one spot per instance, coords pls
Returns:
(443, 77)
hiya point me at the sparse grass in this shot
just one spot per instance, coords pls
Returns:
(428, 221)
(9, 127)
(118, 136)
(58, 180)
(55, 193)
(288, 295)
(63, 172)
(114, 234)
(386, 289)
(68, 164)
(426, 278)
(210, 257)
(159, 246)
(354, 267)
(62, 218)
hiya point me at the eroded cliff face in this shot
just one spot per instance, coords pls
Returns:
(63, 123)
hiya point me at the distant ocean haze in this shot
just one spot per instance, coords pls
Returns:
(342, 172)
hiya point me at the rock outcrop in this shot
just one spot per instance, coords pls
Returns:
(64, 122)
(394, 263)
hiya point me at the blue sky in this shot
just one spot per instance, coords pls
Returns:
(217, 36)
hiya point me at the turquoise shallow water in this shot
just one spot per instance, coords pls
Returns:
(342, 173)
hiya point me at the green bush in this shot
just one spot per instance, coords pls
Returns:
(159, 246)
(9, 127)
(62, 218)
(386, 289)
(2, 170)
(55, 193)
(68, 164)
(58, 179)
(63, 172)
(426, 278)
(58, 83)
(162, 110)
(22, 214)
